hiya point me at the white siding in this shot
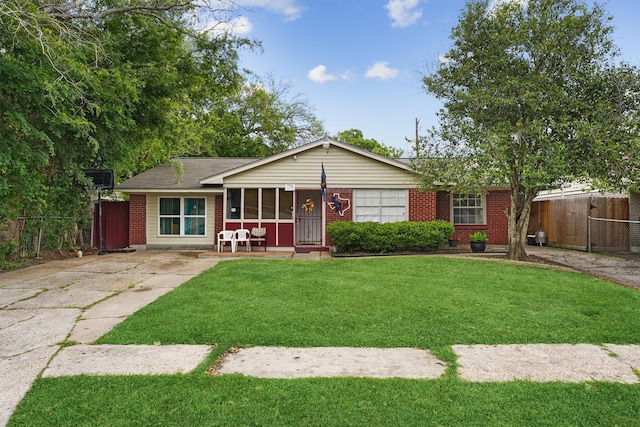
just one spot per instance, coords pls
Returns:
(573, 189)
(343, 168)
(153, 237)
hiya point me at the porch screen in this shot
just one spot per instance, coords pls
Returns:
(467, 208)
(380, 205)
(259, 203)
(182, 216)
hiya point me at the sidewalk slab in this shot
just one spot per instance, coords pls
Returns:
(126, 360)
(115, 282)
(40, 270)
(107, 266)
(33, 329)
(288, 362)
(87, 331)
(125, 303)
(17, 375)
(541, 362)
(629, 354)
(171, 281)
(11, 296)
(62, 298)
(188, 266)
(56, 280)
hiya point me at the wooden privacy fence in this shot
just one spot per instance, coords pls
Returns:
(566, 222)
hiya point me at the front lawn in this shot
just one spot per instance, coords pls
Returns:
(426, 302)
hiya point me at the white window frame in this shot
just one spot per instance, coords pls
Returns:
(260, 218)
(182, 217)
(391, 206)
(469, 201)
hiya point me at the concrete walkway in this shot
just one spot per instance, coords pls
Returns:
(81, 299)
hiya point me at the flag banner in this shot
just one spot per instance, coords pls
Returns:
(323, 184)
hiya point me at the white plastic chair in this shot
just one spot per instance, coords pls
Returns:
(243, 235)
(227, 236)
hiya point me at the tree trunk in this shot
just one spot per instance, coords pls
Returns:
(519, 223)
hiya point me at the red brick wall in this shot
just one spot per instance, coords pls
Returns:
(218, 215)
(331, 215)
(422, 206)
(138, 219)
(497, 203)
(443, 209)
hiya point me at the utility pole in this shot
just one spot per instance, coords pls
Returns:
(417, 139)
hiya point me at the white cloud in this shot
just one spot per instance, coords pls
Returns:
(403, 12)
(288, 8)
(348, 75)
(443, 59)
(319, 75)
(380, 70)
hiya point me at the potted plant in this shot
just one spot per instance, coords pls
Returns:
(453, 241)
(478, 241)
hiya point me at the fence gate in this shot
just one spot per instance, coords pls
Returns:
(611, 235)
(115, 225)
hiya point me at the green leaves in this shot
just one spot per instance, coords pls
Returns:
(532, 98)
(356, 138)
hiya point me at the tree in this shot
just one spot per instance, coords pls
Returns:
(532, 98)
(107, 84)
(356, 138)
(258, 119)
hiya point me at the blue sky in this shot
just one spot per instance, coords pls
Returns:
(358, 62)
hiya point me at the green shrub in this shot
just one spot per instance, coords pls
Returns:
(7, 252)
(373, 237)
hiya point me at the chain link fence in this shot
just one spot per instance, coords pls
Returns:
(613, 235)
(29, 237)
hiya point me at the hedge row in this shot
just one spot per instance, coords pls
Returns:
(373, 237)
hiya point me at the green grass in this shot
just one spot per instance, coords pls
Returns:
(426, 302)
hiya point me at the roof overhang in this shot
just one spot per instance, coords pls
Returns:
(203, 190)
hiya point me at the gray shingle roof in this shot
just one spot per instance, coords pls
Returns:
(164, 177)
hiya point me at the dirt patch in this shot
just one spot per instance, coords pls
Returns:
(46, 256)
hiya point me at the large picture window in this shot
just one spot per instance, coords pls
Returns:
(182, 216)
(380, 205)
(467, 208)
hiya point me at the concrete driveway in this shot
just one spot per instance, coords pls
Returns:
(77, 299)
(618, 269)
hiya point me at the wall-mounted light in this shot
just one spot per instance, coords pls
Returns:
(326, 145)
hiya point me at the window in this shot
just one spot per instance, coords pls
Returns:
(467, 208)
(234, 199)
(286, 204)
(380, 205)
(268, 203)
(250, 203)
(259, 203)
(182, 216)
